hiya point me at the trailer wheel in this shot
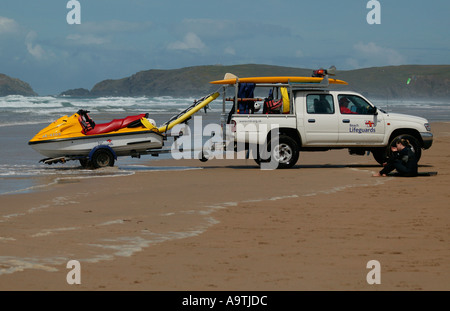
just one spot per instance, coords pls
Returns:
(85, 163)
(102, 158)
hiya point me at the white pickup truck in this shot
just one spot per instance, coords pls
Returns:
(316, 118)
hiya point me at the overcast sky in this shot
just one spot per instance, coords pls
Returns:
(117, 38)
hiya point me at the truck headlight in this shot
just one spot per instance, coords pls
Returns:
(428, 127)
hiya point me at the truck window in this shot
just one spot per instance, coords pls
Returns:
(353, 104)
(319, 104)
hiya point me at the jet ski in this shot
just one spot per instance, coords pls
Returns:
(78, 137)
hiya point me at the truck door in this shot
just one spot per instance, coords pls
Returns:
(358, 122)
(321, 119)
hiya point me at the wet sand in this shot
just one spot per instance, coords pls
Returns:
(231, 226)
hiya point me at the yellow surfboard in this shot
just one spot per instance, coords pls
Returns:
(286, 79)
(183, 117)
(285, 97)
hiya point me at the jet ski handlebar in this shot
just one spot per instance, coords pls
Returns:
(82, 112)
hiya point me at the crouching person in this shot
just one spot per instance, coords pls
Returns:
(403, 160)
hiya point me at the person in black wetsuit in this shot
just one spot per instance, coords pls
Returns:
(403, 160)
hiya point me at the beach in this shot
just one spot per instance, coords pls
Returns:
(227, 225)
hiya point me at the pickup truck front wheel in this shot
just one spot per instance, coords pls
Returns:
(382, 154)
(284, 152)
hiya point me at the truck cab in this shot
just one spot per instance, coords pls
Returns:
(334, 118)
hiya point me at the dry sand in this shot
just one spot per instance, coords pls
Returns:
(231, 226)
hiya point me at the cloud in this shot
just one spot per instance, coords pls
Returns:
(20, 36)
(99, 33)
(8, 25)
(299, 53)
(34, 49)
(370, 54)
(87, 39)
(230, 29)
(191, 42)
(113, 26)
(207, 28)
(230, 51)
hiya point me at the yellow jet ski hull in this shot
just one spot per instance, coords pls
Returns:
(65, 137)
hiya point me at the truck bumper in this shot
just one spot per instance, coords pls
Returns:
(427, 139)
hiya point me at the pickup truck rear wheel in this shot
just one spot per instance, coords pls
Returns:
(382, 154)
(285, 152)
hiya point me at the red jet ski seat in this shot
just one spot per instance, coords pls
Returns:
(90, 128)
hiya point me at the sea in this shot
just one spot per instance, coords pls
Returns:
(21, 117)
